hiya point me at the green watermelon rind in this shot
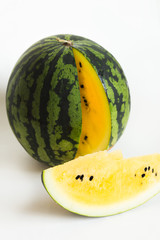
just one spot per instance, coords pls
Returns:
(48, 123)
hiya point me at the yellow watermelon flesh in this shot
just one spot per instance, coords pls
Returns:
(102, 183)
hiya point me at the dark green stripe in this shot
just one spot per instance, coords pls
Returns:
(63, 136)
(44, 102)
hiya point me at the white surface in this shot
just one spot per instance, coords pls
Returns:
(130, 30)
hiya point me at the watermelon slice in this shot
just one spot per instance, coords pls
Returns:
(102, 183)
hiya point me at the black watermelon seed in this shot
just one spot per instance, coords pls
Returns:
(77, 177)
(79, 70)
(86, 104)
(82, 86)
(81, 177)
(85, 137)
(80, 64)
(152, 170)
(135, 175)
(143, 175)
(156, 174)
(145, 169)
(149, 168)
(91, 178)
(85, 100)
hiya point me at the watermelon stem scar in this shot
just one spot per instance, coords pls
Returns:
(66, 43)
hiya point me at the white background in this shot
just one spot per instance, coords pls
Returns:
(130, 30)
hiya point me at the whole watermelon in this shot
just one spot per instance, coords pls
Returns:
(44, 102)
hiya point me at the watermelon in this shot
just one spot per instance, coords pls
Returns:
(103, 183)
(66, 97)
